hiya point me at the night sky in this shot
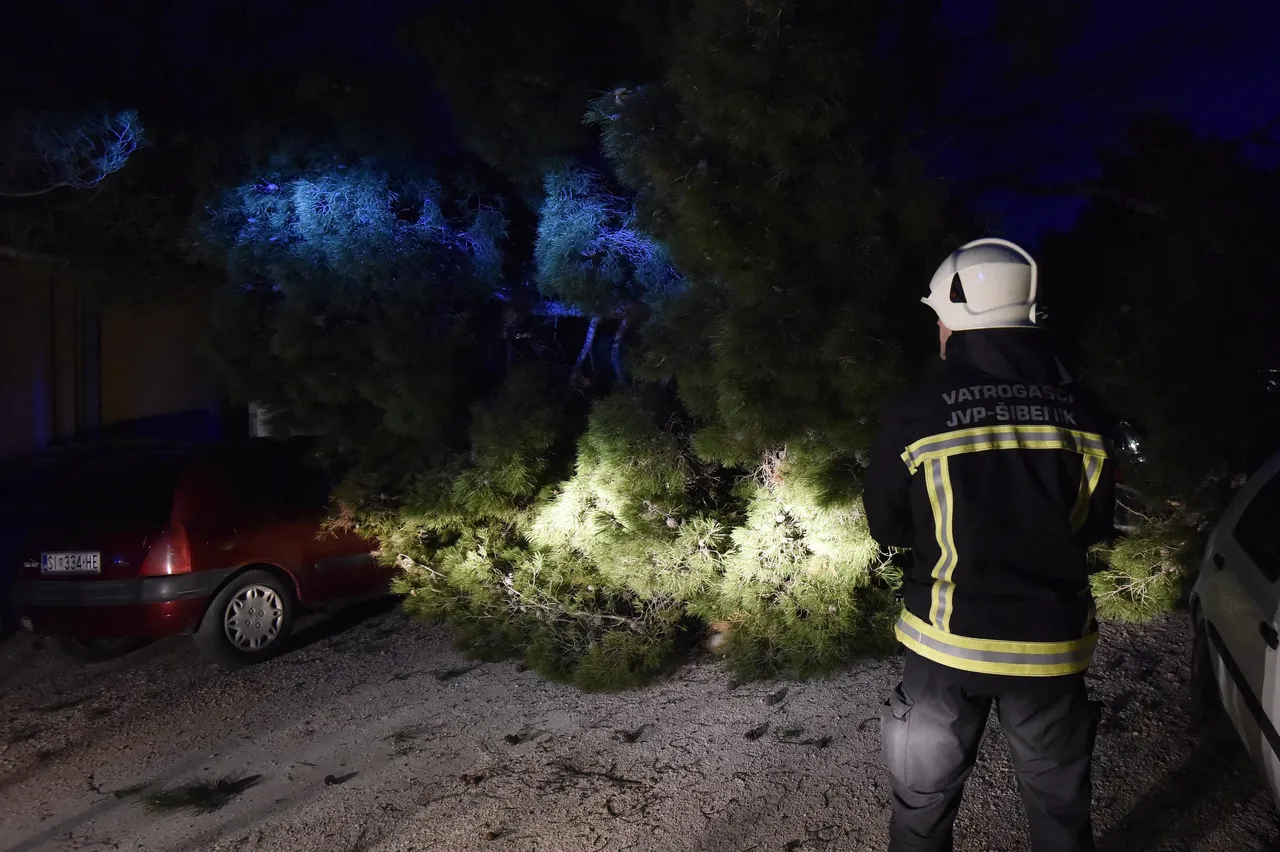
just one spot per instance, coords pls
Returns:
(1215, 64)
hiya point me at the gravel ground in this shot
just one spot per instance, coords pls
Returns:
(374, 735)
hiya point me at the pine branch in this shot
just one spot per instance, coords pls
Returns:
(586, 348)
(615, 357)
(1132, 511)
(404, 561)
(75, 154)
(519, 601)
(34, 193)
(526, 306)
(533, 307)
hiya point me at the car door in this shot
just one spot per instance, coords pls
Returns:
(336, 564)
(1241, 605)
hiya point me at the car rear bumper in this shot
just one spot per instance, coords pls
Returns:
(143, 621)
(148, 607)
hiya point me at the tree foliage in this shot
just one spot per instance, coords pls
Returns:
(368, 291)
(590, 251)
(519, 75)
(106, 203)
(1169, 311)
(798, 228)
(604, 382)
(749, 246)
(1145, 570)
(42, 154)
(582, 525)
(1159, 291)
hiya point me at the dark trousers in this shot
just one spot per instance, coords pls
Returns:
(932, 727)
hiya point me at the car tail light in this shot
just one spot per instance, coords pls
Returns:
(171, 554)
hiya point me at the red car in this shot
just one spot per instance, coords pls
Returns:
(223, 542)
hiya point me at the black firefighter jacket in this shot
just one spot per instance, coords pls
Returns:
(999, 477)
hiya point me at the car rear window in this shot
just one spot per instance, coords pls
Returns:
(128, 489)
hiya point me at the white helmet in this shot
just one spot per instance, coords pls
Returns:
(987, 283)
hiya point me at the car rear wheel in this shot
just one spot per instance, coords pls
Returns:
(248, 621)
(97, 650)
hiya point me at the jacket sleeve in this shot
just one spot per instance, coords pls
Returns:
(887, 497)
(1099, 524)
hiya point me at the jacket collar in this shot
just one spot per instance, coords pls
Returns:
(1021, 354)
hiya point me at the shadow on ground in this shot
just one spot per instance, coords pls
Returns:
(331, 625)
(1215, 778)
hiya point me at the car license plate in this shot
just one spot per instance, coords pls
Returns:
(80, 562)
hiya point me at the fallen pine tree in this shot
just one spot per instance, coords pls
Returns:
(645, 417)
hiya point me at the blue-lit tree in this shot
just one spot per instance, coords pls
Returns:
(370, 289)
(43, 154)
(45, 159)
(590, 251)
(368, 301)
(590, 255)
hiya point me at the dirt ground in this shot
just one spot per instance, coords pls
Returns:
(375, 735)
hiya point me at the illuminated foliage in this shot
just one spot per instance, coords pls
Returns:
(632, 507)
(590, 252)
(1144, 573)
(89, 189)
(804, 585)
(357, 221)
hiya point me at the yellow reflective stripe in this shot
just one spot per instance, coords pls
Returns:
(1002, 646)
(1089, 438)
(993, 656)
(951, 541)
(1090, 474)
(938, 485)
(1012, 437)
(983, 667)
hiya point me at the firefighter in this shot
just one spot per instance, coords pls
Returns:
(998, 477)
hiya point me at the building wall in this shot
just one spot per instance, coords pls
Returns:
(68, 369)
(37, 344)
(23, 355)
(152, 362)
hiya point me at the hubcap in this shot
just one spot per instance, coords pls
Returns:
(253, 617)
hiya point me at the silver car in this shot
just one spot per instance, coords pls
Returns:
(1235, 610)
